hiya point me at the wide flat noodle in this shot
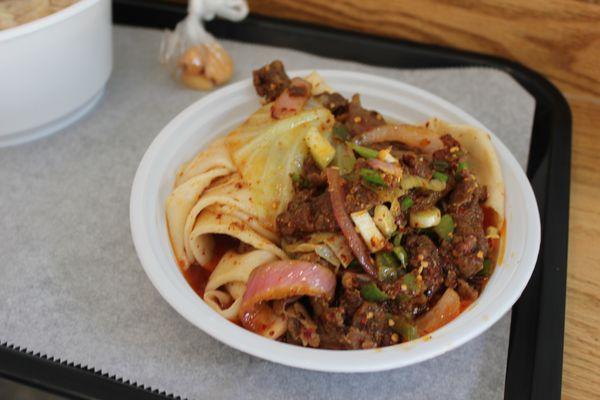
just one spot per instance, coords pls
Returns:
(215, 220)
(482, 160)
(233, 198)
(227, 283)
(180, 203)
(215, 155)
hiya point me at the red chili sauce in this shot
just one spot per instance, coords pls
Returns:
(197, 275)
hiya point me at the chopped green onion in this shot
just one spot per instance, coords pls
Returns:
(387, 266)
(371, 292)
(487, 268)
(397, 240)
(401, 255)
(440, 165)
(364, 151)
(461, 166)
(340, 131)
(406, 203)
(344, 158)
(372, 176)
(445, 228)
(440, 176)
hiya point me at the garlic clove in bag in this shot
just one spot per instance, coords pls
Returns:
(194, 56)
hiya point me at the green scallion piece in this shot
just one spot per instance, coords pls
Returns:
(371, 292)
(440, 176)
(372, 176)
(397, 240)
(461, 166)
(364, 152)
(401, 255)
(406, 203)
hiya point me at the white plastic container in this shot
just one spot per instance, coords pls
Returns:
(53, 70)
(219, 112)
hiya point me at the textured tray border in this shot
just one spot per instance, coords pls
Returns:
(534, 369)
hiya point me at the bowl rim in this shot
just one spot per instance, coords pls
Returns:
(292, 355)
(46, 21)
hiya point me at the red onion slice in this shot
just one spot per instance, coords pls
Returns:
(411, 135)
(281, 280)
(358, 247)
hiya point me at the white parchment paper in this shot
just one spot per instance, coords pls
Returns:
(71, 285)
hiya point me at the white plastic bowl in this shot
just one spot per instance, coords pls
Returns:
(53, 70)
(215, 115)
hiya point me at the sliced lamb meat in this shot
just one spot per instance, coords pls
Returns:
(369, 325)
(302, 329)
(308, 212)
(335, 102)
(359, 120)
(424, 258)
(314, 176)
(271, 80)
(468, 247)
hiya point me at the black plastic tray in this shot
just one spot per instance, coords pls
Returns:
(534, 369)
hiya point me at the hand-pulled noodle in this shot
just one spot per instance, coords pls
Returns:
(216, 220)
(179, 204)
(214, 156)
(227, 283)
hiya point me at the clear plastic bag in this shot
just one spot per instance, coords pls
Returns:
(193, 55)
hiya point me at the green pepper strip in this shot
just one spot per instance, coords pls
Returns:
(406, 203)
(371, 292)
(440, 176)
(387, 266)
(445, 228)
(364, 151)
(372, 176)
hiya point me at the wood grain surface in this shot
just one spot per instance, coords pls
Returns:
(559, 38)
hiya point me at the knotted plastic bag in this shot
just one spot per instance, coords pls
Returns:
(193, 55)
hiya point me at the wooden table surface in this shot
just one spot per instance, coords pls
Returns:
(560, 39)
